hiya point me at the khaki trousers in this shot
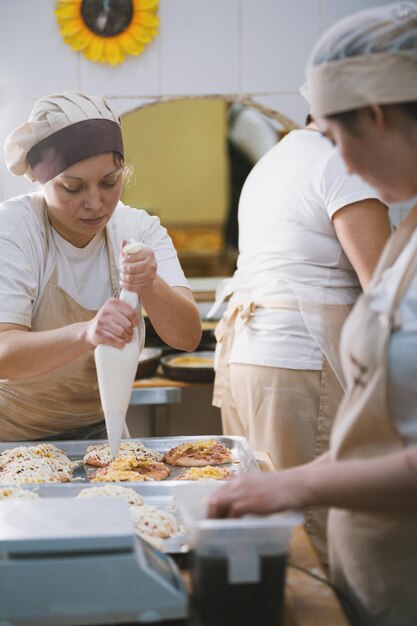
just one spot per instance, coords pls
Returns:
(287, 412)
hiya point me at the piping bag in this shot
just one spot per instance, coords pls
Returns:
(116, 369)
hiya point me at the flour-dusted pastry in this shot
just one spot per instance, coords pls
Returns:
(129, 495)
(199, 453)
(14, 493)
(44, 463)
(99, 455)
(149, 520)
(150, 523)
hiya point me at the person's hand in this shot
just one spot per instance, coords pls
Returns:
(259, 494)
(113, 324)
(138, 270)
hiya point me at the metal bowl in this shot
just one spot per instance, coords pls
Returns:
(188, 366)
(148, 362)
(208, 340)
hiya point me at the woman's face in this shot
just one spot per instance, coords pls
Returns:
(381, 151)
(81, 200)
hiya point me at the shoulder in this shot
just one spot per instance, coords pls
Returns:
(21, 218)
(337, 175)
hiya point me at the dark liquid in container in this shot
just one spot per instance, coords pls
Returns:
(220, 603)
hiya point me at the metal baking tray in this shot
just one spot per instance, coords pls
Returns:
(153, 494)
(243, 458)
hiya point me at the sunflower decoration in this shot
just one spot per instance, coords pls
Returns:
(107, 30)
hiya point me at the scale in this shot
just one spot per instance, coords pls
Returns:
(66, 562)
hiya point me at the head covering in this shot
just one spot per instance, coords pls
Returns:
(62, 130)
(367, 58)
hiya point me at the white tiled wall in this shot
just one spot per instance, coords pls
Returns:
(257, 47)
(276, 38)
(200, 46)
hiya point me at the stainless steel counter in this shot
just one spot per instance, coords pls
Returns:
(156, 395)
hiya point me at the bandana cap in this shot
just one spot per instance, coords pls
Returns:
(62, 130)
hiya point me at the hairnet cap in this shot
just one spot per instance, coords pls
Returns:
(50, 115)
(367, 58)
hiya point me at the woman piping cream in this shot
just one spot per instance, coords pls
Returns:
(61, 272)
(362, 79)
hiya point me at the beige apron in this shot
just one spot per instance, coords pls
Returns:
(331, 318)
(65, 400)
(373, 556)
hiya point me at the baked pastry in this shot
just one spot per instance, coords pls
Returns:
(199, 453)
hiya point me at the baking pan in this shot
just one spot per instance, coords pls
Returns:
(159, 496)
(243, 457)
(153, 495)
(187, 372)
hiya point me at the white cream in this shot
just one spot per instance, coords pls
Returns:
(116, 370)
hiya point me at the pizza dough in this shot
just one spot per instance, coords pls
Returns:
(199, 454)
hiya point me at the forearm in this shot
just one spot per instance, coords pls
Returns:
(384, 484)
(26, 354)
(174, 316)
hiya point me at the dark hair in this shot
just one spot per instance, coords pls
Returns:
(349, 119)
(309, 119)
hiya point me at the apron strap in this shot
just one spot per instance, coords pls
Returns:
(405, 281)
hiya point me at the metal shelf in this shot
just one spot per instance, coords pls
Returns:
(156, 395)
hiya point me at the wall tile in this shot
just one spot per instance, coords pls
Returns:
(15, 185)
(277, 38)
(292, 105)
(12, 115)
(124, 105)
(136, 76)
(34, 60)
(200, 45)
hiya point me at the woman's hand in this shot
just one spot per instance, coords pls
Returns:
(266, 493)
(138, 270)
(384, 484)
(113, 324)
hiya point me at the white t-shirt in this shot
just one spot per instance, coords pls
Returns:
(402, 349)
(288, 248)
(84, 273)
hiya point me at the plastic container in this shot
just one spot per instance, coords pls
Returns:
(238, 566)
